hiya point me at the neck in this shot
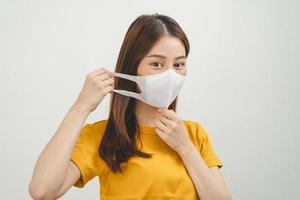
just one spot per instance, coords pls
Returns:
(146, 115)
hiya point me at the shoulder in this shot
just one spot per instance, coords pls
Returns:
(195, 130)
(201, 140)
(93, 131)
(99, 126)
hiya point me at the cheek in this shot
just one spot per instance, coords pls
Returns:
(183, 71)
(144, 69)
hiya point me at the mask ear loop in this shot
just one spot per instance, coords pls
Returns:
(125, 92)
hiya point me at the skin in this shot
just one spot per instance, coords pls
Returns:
(169, 52)
(55, 157)
(54, 173)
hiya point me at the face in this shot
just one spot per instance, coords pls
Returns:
(168, 52)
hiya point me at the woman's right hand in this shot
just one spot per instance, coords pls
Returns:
(97, 84)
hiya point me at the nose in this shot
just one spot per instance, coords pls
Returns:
(168, 68)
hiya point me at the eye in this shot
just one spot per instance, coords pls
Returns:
(156, 65)
(179, 65)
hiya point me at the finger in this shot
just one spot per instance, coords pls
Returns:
(161, 134)
(161, 126)
(103, 77)
(108, 89)
(109, 81)
(166, 121)
(169, 123)
(169, 114)
(166, 113)
(99, 72)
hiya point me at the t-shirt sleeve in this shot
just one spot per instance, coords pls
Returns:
(206, 148)
(85, 155)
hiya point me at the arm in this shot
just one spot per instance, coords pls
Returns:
(208, 181)
(51, 167)
(54, 173)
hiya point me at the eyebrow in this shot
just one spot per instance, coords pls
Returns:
(164, 57)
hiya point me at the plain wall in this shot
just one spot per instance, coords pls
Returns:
(242, 86)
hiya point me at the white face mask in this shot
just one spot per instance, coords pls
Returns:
(158, 90)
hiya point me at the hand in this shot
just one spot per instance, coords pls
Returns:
(97, 84)
(172, 130)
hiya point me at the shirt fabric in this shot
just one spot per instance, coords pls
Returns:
(163, 176)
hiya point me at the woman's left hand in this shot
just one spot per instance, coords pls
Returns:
(172, 130)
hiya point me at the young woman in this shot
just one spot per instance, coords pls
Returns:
(144, 150)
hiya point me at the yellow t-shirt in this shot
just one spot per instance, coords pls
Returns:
(161, 177)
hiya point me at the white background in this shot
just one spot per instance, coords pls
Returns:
(242, 86)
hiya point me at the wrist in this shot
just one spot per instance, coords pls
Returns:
(80, 108)
(185, 148)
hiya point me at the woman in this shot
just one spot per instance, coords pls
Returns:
(143, 150)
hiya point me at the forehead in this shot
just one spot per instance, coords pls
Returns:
(168, 46)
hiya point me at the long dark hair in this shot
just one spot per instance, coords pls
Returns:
(119, 140)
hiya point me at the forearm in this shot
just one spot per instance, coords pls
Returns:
(51, 166)
(207, 185)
